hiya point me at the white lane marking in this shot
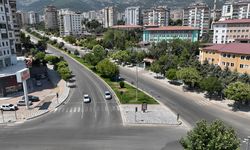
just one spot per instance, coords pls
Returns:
(82, 111)
(78, 109)
(75, 109)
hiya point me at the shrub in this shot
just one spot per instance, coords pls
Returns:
(122, 84)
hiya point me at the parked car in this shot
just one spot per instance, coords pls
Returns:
(31, 98)
(8, 107)
(22, 103)
(86, 98)
(38, 83)
(107, 95)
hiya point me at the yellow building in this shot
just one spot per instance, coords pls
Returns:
(234, 55)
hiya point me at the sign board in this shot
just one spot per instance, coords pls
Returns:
(144, 107)
(23, 75)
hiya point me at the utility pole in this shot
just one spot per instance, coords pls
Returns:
(136, 81)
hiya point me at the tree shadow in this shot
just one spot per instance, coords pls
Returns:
(237, 106)
(215, 97)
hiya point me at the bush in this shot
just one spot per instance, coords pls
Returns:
(52, 59)
(122, 84)
(107, 69)
(171, 74)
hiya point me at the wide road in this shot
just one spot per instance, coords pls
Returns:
(92, 126)
(189, 108)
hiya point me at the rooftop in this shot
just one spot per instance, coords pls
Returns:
(172, 28)
(126, 27)
(233, 21)
(235, 48)
(11, 70)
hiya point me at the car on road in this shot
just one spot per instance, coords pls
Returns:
(38, 83)
(86, 98)
(22, 103)
(107, 95)
(31, 98)
(8, 107)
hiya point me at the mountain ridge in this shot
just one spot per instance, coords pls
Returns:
(87, 5)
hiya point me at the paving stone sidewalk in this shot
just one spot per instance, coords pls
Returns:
(155, 115)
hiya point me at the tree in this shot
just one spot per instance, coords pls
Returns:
(155, 67)
(40, 56)
(107, 68)
(171, 74)
(70, 39)
(214, 136)
(212, 85)
(99, 54)
(120, 22)
(238, 91)
(190, 76)
(52, 59)
(65, 73)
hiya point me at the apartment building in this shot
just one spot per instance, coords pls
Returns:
(16, 26)
(33, 17)
(176, 14)
(158, 16)
(70, 23)
(109, 17)
(133, 16)
(228, 31)
(197, 15)
(236, 9)
(167, 33)
(235, 56)
(50, 17)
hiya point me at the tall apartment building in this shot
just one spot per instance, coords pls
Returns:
(236, 9)
(197, 15)
(15, 24)
(158, 16)
(70, 23)
(7, 38)
(33, 17)
(176, 14)
(228, 31)
(50, 17)
(133, 16)
(110, 17)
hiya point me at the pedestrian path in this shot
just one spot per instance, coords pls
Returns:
(78, 109)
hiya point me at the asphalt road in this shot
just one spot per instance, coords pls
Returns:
(97, 125)
(189, 108)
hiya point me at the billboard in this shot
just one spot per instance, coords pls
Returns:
(23, 75)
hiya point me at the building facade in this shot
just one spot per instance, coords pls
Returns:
(168, 33)
(70, 23)
(235, 56)
(197, 15)
(229, 31)
(133, 16)
(33, 18)
(16, 26)
(109, 17)
(158, 16)
(236, 10)
(50, 17)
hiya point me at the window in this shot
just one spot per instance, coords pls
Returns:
(223, 63)
(233, 56)
(247, 57)
(242, 57)
(224, 55)
(241, 65)
(228, 55)
(228, 63)
(232, 64)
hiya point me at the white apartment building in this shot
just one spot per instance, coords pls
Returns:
(197, 15)
(50, 17)
(228, 31)
(70, 23)
(33, 17)
(109, 17)
(158, 16)
(7, 38)
(236, 9)
(133, 16)
(16, 26)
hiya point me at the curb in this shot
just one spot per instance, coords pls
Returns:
(116, 97)
(30, 118)
(68, 91)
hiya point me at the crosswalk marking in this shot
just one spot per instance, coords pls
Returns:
(78, 109)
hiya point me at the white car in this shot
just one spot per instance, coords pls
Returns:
(86, 98)
(107, 95)
(8, 107)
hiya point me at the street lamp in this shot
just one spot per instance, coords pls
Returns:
(247, 141)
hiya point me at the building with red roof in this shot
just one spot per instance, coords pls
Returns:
(235, 56)
(231, 30)
(157, 34)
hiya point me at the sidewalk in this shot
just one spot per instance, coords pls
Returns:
(48, 100)
(198, 98)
